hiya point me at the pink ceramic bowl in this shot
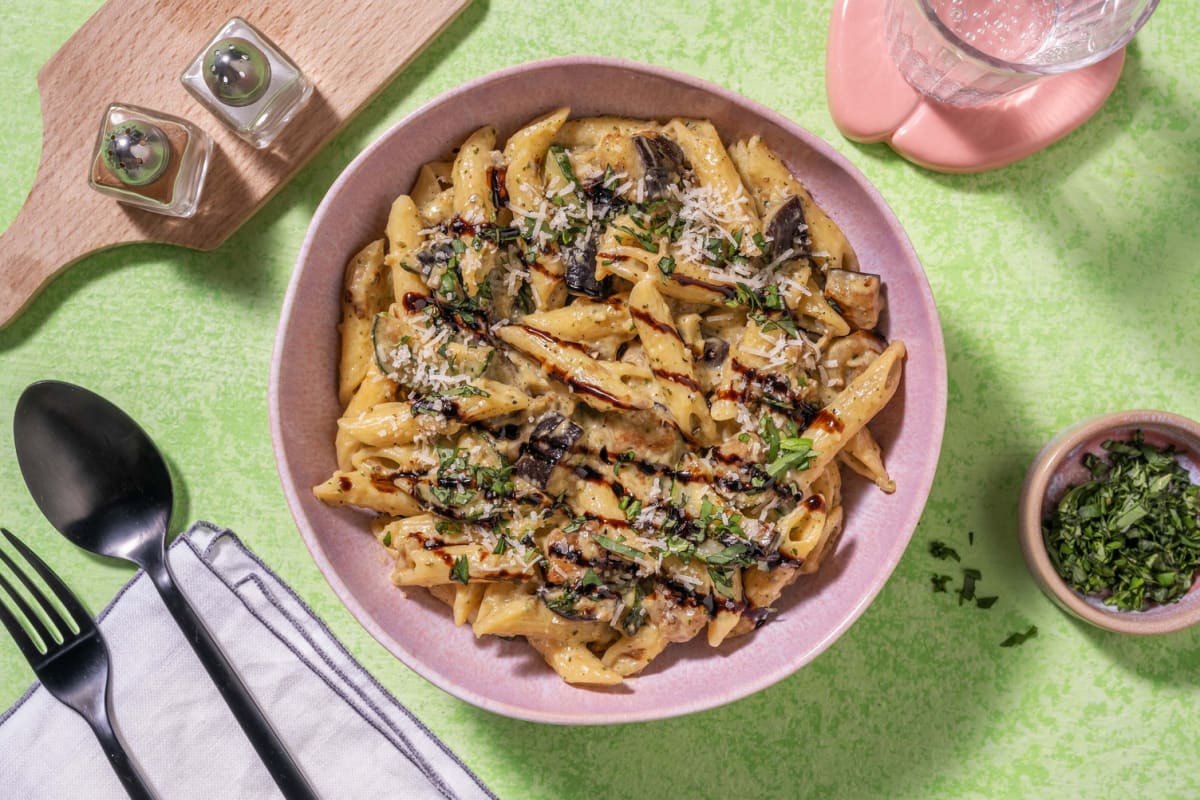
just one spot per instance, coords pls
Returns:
(1058, 467)
(509, 677)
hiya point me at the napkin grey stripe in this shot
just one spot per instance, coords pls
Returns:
(388, 729)
(365, 743)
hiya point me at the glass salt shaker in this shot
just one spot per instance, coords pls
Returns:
(150, 160)
(247, 82)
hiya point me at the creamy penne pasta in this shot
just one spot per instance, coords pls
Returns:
(599, 381)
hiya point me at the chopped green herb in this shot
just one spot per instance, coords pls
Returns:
(609, 181)
(796, 453)
(631, 506)
(1130, 536)
(734, 554)
(525, 298)
(635, 615)
(1020, 638)
(501, 546)
(967, 590)
(770, 437)
(575, 524)
(467, 390)
(613, 546)
(461, 570)
(564, 163)
(666, 265)
(941, 550)
(452, 496)
(744, 437)
(590, 579)
(722, 582)
(644, 239)
(562, 603)
(387, 539)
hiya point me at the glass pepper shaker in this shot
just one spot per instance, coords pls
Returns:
(247, 82)
(150, 160)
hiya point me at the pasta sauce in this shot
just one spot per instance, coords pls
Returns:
(600, 384)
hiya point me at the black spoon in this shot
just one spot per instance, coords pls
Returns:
(101, 481)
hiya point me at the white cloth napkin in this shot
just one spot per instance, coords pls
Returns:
(352, 738)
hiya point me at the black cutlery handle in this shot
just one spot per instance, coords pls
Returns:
(266, 742)
(128, 774)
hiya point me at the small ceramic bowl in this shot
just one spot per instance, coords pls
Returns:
(1058, 467)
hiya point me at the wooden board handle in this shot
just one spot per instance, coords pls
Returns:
(48, 235)
(64, 220)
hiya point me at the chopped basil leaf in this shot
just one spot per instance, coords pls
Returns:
(666, 265)
(616, 547)
(941, 550)
(461, 570)
(722, 582)
(631, 506)
(733, 554)
(564, 163)
(797, 453)
(1020, 638)
(1130, 536)
(467, 390)
(967, 590)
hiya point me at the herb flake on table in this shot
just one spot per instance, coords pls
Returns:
(1130, 535)
(1019, 638)
(943, 551)
(967, 590)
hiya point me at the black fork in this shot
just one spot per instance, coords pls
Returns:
(72, 665)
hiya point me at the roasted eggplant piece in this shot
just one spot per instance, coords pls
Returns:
(578, 605)
(552, 438)
(857, 295)
(787, 230)
(437, 255)
(663, 163)
(715, 351)
(580, 259)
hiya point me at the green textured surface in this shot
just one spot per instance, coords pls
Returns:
(1067, 286)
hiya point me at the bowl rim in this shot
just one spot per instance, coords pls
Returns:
(1053, 455)
(687, 702)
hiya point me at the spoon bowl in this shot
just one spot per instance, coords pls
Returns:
(100, 480)
(64, 435)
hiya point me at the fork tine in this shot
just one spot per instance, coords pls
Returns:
(35, 621)
(83, 620)
(19, 635)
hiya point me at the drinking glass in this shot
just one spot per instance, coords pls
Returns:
(969, 52)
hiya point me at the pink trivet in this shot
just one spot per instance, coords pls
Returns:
(871, 102)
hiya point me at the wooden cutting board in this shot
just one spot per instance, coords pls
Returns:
(349, 50)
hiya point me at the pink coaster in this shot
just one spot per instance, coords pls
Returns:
(871, 102)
